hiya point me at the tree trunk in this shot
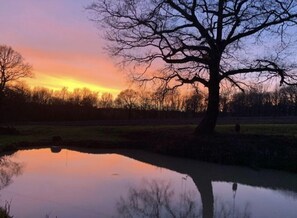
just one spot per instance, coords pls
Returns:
(208, 123)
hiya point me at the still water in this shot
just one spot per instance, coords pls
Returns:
(40, 183)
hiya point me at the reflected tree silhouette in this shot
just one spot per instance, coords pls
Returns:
(204, 174)
(8, 169)
(158, 199)
(226, 210)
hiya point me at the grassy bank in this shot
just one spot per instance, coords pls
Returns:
(258, 145)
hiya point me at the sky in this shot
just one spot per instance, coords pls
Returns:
(64, 47)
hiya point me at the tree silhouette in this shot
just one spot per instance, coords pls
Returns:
(156, 199)
(127, 99)
(194, 102)
(12, 67)
(106, 100)
(205, 42)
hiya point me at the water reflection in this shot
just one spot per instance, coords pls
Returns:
(76, 184)
(224, 209)
(8, 169)
(228, 210)
(204, 175)
(158, 199)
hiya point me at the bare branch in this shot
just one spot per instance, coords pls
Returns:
(202, 41)
(12, 66)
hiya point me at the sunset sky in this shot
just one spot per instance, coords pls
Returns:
(62, 44)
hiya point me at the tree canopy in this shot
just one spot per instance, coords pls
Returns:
(206, 42)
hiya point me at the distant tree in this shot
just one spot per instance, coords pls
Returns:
(256, 102)
(194, 102)
(204, 42)
(238, 103)
(225, 99)
(145, 100)
(18, 94)
(274, 97)
(106, 100)
(158, 99)
(88, 98)
(172, 100)
(42, 95)
(63, 94)
(288, 100)
(75, 97)
(127, 98)
(12, 67)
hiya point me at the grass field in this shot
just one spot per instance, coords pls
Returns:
(262, 129)
(44, 133)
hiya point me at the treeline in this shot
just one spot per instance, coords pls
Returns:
(21, 103)
(257, 102)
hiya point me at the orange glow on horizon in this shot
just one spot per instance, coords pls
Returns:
(55, 70)
(57, 83)
(64, 50)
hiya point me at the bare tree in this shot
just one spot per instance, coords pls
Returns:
(12, 67)
(41, 95)
(106, 100)
(127, 98)
(89, 98)
(172, 100)
(145, 100)
(206, 42)
(194, 102)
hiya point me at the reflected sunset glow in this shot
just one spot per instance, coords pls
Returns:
(74, 184)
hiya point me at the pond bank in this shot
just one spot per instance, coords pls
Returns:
(249, 148)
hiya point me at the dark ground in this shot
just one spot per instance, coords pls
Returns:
(270, 144)
(147, 122)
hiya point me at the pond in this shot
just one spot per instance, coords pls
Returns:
(102, 183)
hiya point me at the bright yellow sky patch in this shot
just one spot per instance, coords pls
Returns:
(57, 83)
